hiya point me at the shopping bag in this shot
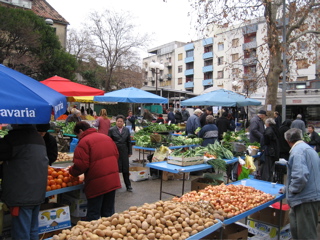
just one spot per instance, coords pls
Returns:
(244, 173)
(160, 154)
(249, 163)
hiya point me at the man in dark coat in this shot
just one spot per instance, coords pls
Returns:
(270, 148)
(50, 141)
(171, 117)
(185, 114)
(96, 156)
(257, 126)
(121, 136)
(204, 115)
(25, 172)
(178, 116)
(283, 144)
(193, 122)
(277, 119)
(299, 123)
(314, 138)
(223, 125)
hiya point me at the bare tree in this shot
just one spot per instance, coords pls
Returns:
(116, 41)
(302, 25)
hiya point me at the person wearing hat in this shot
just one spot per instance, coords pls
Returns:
(50, 141)
(204, 115)
(257, 126)
(298, 123)
(193, 122)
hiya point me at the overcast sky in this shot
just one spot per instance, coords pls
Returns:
(165, 21)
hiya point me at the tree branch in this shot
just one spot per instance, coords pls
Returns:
(302, 34)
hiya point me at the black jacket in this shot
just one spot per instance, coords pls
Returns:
(25, 167)
(123, 142)
(52, 147)
(223, 125)
(283, 144)
(315, 140)
(178, 117)
(270, 142)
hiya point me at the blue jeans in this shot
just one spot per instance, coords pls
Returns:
(101, 206)
(25, 225)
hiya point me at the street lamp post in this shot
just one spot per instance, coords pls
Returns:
(156, 69)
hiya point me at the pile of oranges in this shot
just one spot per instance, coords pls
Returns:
(60, 178)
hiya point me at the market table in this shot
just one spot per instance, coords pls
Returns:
(64, 190)
(164, 166)
(154, 149)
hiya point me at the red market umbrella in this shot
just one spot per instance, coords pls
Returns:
(69, 88)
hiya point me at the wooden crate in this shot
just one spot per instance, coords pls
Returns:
(183, 161)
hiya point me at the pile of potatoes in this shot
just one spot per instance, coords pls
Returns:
(63, 157)
(165, 220)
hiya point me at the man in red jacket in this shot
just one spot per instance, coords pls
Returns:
(96, 155)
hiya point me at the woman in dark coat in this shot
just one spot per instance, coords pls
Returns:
(283, 144)
(209, 132)
(121, 136)
(271, 151)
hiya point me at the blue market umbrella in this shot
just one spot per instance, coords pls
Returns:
(27, 101)
(130, 95)
(221, 97)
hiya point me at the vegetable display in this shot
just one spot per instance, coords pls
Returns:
(230, 200)
(165, 220)
(3, 133)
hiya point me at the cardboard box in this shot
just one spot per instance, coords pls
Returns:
(78, 206)
(199, 183)
(231, 231)
(174, 176)
(138, 173)
(53, 216)
(183, 161)
(271, 216)
(268, 232)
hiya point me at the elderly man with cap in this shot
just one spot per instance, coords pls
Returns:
(50, 141)
(193, 122)
(257, 126)
(298, 123)
(204, 115)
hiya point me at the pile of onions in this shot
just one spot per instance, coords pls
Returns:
(230, 199)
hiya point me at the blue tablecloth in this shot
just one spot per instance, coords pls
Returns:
(164, 166)
(63, 190)
(171, 147)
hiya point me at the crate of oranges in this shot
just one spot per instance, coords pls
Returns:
(60, 178)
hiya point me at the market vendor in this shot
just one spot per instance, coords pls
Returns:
(24, 179)
(50, 141)
(193, 122)
(96, 156)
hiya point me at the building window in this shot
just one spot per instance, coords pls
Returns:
(302, 63)
(220, 74)
(189, 53)
(302, 79)
(189, 66)
(169, 59)
(208, 49)
(235, 57)
(207, 75)
(180, 56)
(235, 42)
(220, 46)
(180, 69)
(208, 63)
(302, 46)
(220, 60)
(179, 81)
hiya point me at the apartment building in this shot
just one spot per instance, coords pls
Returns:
(234, 58)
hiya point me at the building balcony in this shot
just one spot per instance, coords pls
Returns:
(207, 41)
(249, 61)
(250, 29)
(189, 59)
(168, 64)
(207, 82)
(169, 76)
(189, 72)
(207, 55)
(249, 45)
(189, 47)
(188, 85)
(207, 69)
